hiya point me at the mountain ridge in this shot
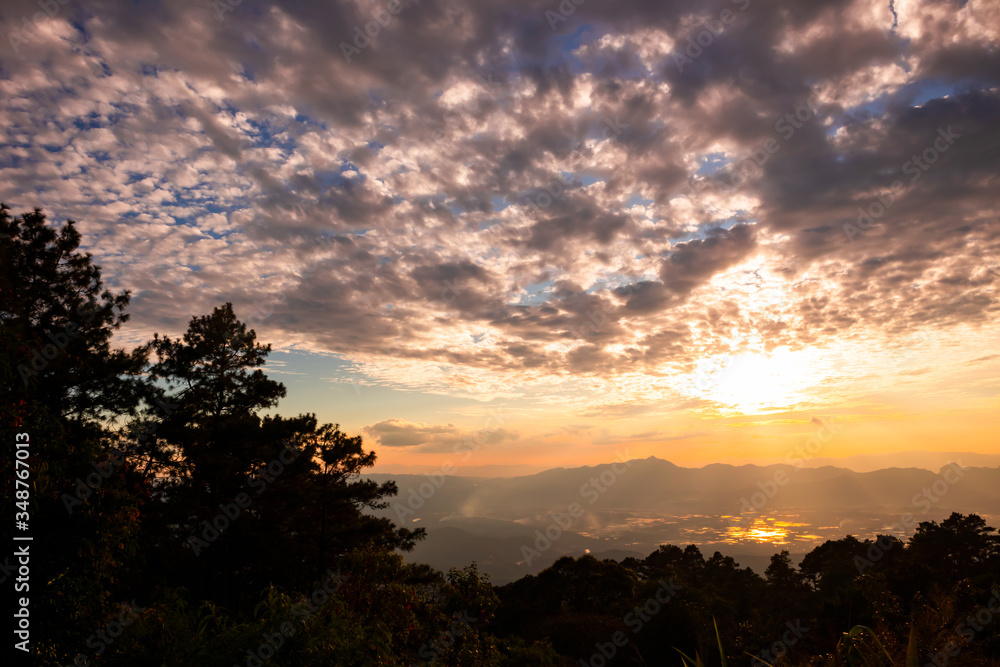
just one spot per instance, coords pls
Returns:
(636, 505)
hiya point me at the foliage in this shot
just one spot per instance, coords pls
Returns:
(162, 493)
(62, 382)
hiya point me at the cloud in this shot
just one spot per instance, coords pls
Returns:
(476, 192)
(397, 433)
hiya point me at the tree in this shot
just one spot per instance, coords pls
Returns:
(112, 508)
(213, 381)
(57, 323)
(294, 483)
(64, 386)
(781, 574)
(961, 544)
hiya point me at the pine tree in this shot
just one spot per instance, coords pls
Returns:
(254, 500)
(63, 386)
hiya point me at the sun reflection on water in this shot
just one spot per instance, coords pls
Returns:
(762, 529)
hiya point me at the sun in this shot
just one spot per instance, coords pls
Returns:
(753, 382)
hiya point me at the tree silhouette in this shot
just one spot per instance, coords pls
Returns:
(781, 574)
(57, 323)
(960, 543)
(63, 385)
(254, 499)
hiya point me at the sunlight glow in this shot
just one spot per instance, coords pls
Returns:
(764, 530)
(753, 382)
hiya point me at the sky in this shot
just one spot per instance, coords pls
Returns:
(535, 234)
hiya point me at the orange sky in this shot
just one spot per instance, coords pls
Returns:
(579, 225)
(937, 394)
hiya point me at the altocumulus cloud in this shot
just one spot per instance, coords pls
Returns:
(383, 205)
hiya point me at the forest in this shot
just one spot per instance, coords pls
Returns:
(173, 522)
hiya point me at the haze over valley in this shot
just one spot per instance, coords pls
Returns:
(748, 512)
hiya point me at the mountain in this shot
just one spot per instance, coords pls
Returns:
(916, 459)
(636, 505)
(489, 470)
